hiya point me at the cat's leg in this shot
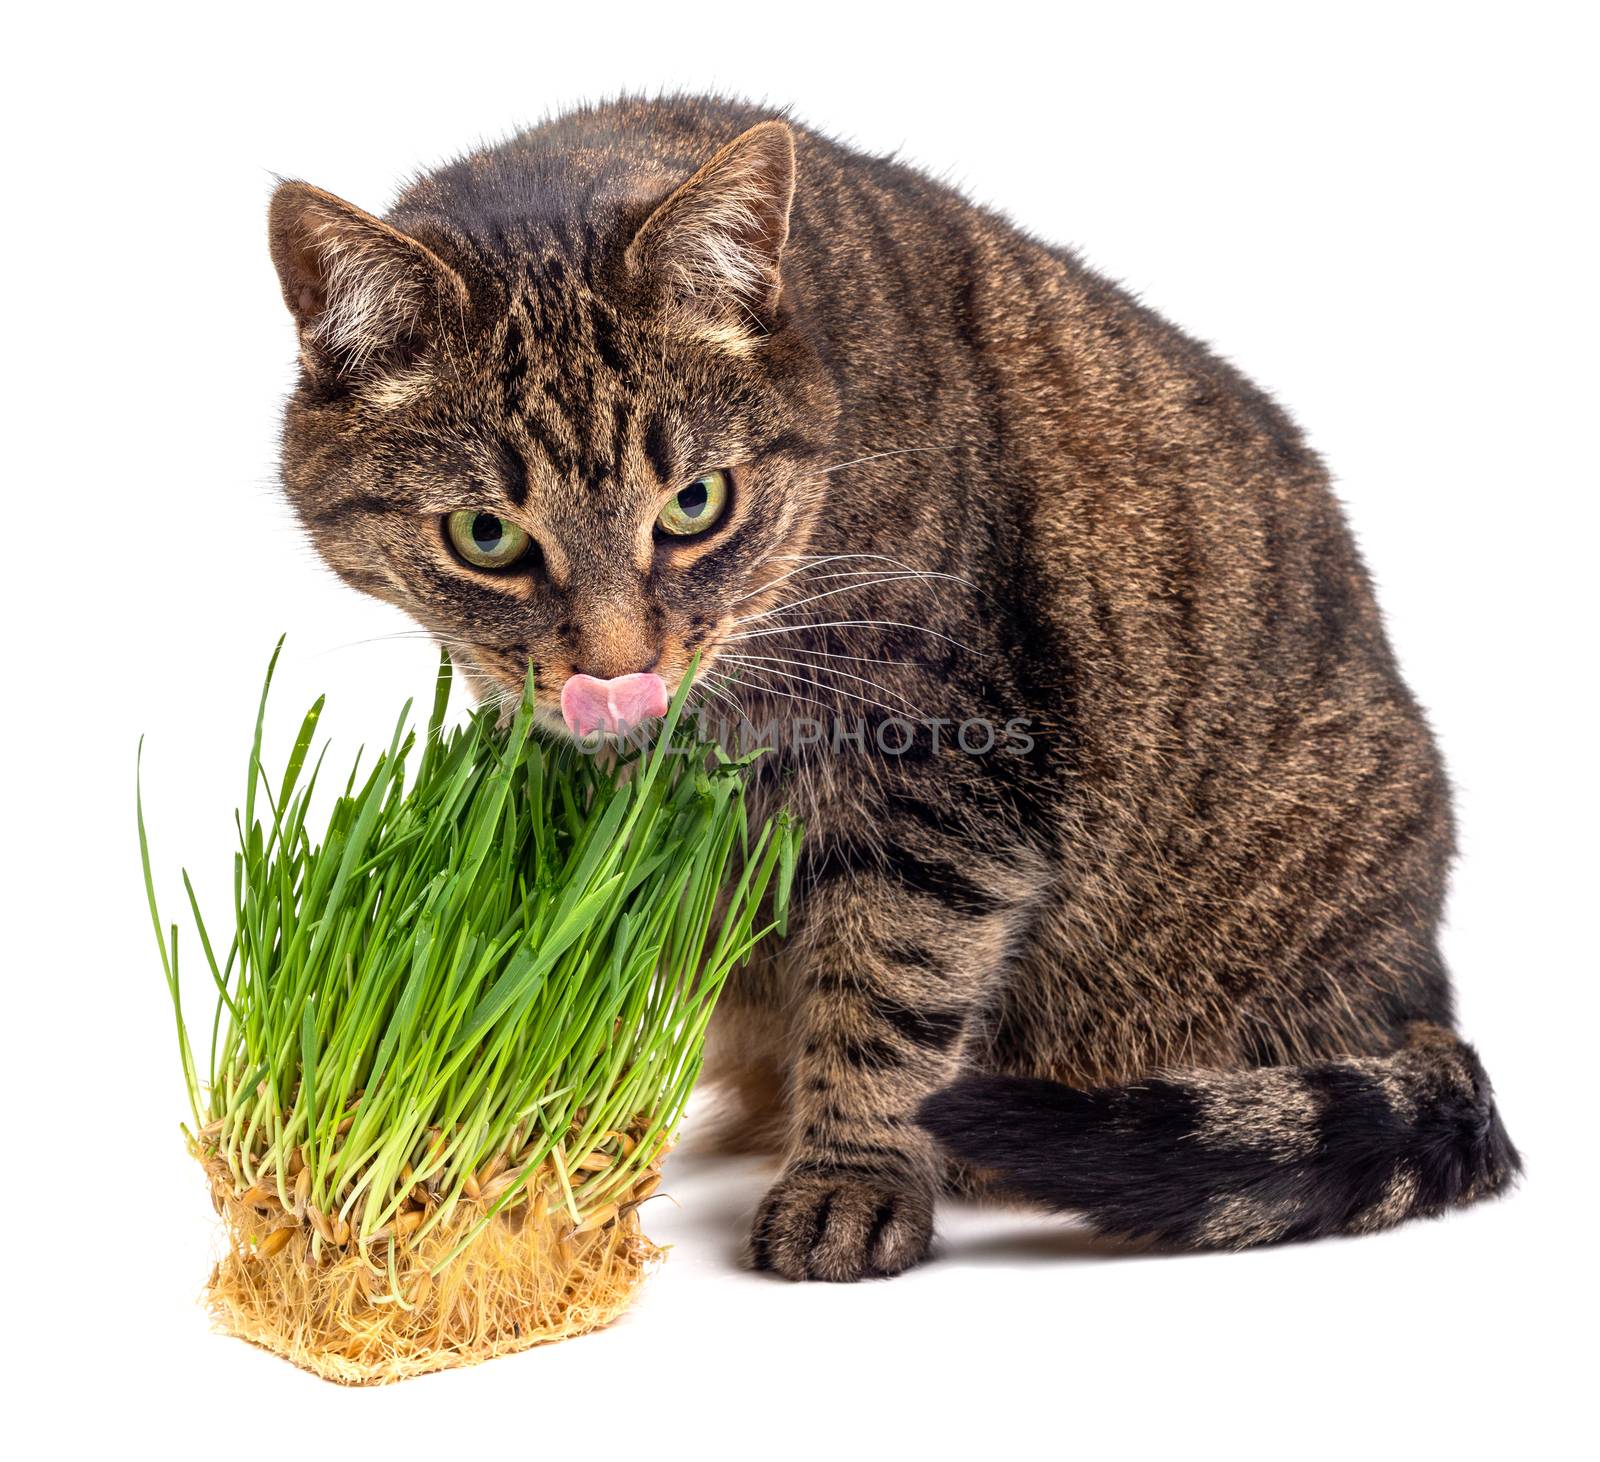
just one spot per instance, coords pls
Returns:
(893, 972)
(745, 1064)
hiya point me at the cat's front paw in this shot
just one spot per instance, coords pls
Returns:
(816, 1223)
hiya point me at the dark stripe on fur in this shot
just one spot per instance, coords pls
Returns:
(1229, 1160)
(352, 505)
(870, 1051)
(934, 877)
(926, 1026)
(933, 1029)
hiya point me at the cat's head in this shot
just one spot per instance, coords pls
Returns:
(580, 427)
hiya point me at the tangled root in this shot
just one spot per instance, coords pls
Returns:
(364, 1317)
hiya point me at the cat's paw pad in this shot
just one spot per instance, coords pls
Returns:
(817, 1224)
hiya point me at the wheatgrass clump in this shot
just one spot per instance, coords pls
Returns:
(452, 1037)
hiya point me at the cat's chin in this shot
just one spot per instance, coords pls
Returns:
(549, 720)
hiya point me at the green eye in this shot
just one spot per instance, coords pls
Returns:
(486, 539)
(696, 507)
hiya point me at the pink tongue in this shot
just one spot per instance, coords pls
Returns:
(589, 705)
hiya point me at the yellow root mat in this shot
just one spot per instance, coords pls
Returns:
(364, 1319)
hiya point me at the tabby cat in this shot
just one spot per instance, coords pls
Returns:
(674, 377)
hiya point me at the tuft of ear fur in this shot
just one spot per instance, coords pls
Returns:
(364, 295)
(715, 243)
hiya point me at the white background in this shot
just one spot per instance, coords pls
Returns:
(1377, 212)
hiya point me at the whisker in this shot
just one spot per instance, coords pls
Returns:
(821, 669)
(764, 689)
(870, 457)
(789, 678)
(828, 594)
(454, 644)
(725, 696)
(820, 560)
(855, 574)
(897, 563)
(856, 659)
(792, 629)
(403, 634)
(830, 557)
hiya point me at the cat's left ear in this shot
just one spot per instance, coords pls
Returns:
(715, 244)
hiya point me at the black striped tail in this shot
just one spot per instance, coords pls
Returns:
(1232, 1159)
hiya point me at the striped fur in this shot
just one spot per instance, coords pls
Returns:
(1233, 1159)
(972, 481)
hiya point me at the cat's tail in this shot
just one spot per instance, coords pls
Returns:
(1227, 1159)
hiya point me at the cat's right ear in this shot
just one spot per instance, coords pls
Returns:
(365, 297)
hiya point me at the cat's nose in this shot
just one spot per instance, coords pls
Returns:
(617, 705)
